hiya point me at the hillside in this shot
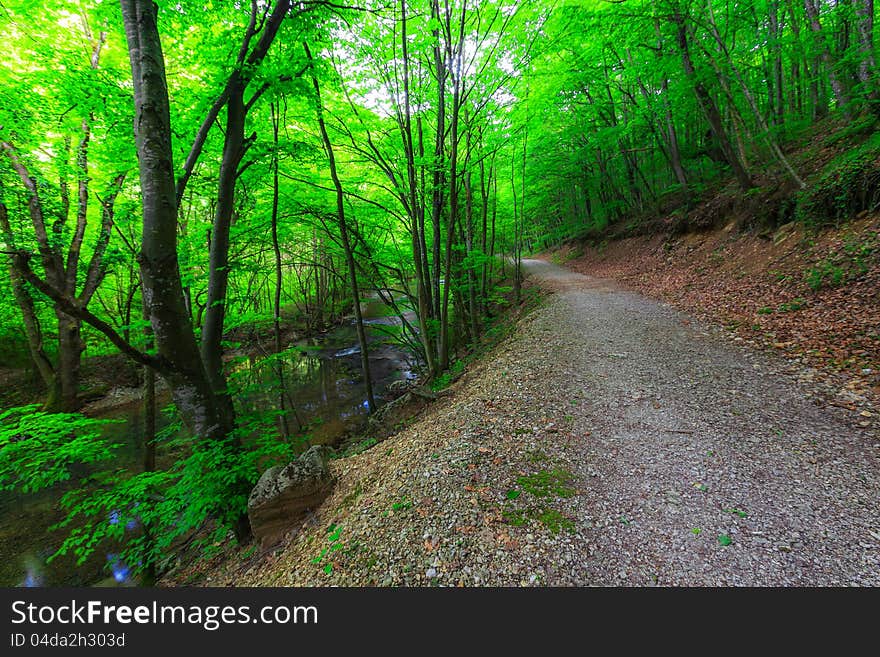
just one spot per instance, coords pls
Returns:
(813, 297)
(609, 441)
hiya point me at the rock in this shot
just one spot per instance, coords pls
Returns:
(285, 494)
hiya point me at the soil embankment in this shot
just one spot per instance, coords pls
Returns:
(611, 440)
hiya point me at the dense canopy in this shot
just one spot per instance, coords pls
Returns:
(176, 174)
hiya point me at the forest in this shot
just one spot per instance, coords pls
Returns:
(195, 195)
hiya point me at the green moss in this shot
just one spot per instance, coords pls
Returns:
(555, 521)
(546, 483)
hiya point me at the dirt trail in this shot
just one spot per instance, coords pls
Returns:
(610, 441)
(690, 433)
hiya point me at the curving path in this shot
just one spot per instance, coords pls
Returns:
(609, 441)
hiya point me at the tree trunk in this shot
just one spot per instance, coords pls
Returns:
(840, 95)
(32, 329)
(710, 109)
(455, 56)
(70, 348)
(762, 123)
(346, 243)
(776, 86)
(276, 302)
(184, 370)
(867, 72)
(218, 276)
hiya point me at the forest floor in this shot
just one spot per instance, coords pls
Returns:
(610, 440)
(813, 297)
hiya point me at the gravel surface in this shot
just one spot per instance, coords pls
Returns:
(610, 441)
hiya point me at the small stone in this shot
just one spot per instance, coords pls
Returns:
(431, 574)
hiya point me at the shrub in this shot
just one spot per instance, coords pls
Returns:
(850, 184)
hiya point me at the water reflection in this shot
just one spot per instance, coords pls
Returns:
(323, 387)
(323, 381)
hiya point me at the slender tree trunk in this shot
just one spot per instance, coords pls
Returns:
(840, 94)
(484, 236)
(32, 328)
(415, 210)
(346, 243)
(218, 276)
(183, 368)
(517, 282)
(671, 133)
(762, 123)
(867, 71)
(438, 183)
(455, 56)
(276, 301)
(707, 103)
(777, 88)
(469, 245)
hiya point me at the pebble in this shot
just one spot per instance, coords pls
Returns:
(725, 399)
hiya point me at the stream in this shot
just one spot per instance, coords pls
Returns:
(323, 384)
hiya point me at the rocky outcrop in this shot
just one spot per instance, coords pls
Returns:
(285, 494)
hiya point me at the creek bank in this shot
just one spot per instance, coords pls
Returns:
(610, 440)
(320, 375)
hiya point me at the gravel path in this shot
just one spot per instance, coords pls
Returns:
(610, 441)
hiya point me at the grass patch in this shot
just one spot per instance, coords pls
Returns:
(547, 483)
(792, 306)
(553, 520)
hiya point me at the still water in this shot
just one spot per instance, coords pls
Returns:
(323, 385)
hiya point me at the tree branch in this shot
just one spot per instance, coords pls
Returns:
(73, 308)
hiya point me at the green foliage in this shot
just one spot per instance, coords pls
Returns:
(445, 379)
(554, 520)
(39, 450)
(792, 306)
(825, 274)
(848, 185)
(334, 540)
(852, 261)
(142, 515)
